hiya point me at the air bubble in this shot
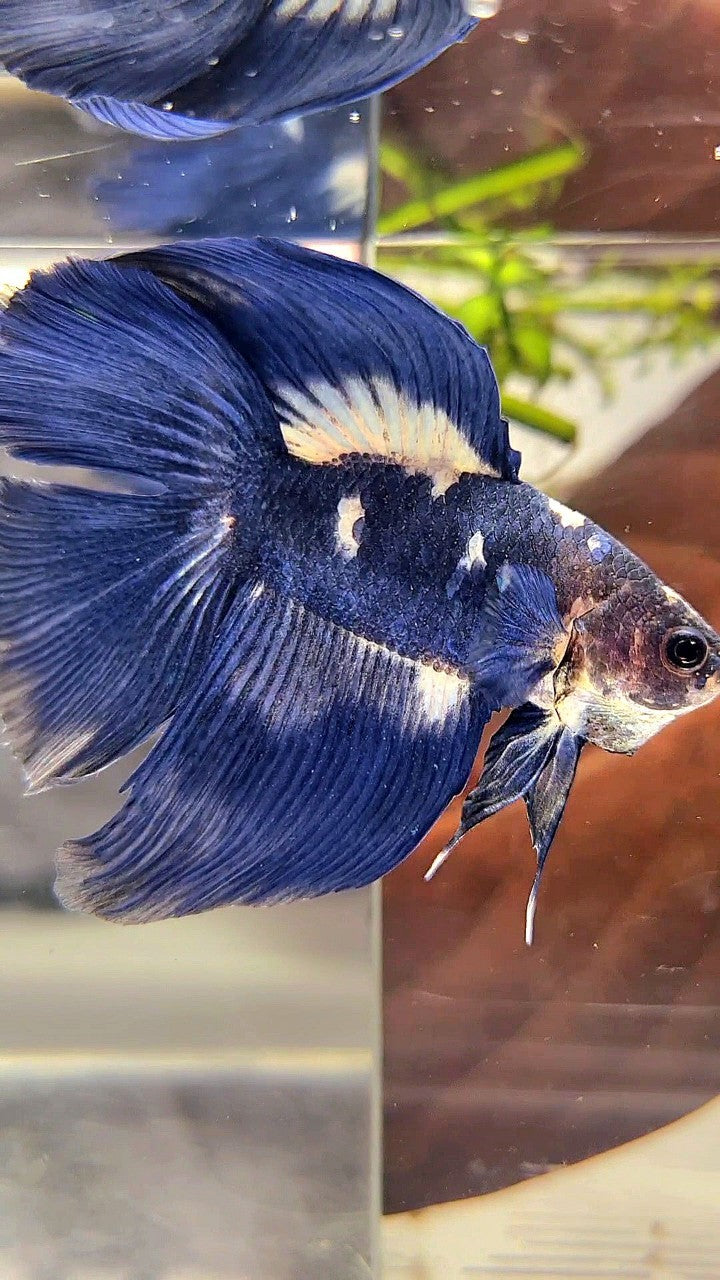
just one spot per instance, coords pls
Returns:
(482, 8)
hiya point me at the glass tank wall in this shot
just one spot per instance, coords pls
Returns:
(193, 1100)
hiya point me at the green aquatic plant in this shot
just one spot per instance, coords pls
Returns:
(542, 309)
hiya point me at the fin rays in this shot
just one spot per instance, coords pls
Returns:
(88, 666)
(304, 763)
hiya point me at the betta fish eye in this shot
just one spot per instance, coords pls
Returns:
(684, 650)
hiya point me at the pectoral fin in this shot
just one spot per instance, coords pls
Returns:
(523, 637)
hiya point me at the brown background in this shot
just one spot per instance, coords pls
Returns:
(638, 80)
(501, 1061)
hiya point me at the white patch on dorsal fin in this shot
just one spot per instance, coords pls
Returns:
(349, 511)
(325, 423)
(568, 518)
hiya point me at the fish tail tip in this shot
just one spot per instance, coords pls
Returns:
(81, 887)
(73, 868)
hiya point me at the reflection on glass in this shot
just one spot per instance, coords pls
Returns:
(182, 70)
(305, 178)
(190, 1102)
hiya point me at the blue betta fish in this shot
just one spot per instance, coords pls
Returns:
(314, 568)
(194, 68)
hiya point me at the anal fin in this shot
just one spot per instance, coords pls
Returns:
(307, 760)
(532, 757)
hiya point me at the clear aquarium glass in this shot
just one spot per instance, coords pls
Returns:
(196, 1100)
(552, 1112)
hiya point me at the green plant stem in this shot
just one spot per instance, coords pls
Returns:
(533, 415)
(517, 176)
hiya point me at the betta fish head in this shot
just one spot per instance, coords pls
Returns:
(635, 662)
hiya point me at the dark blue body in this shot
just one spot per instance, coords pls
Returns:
(407, 586)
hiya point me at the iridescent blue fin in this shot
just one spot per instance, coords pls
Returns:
(109, 601)
(306, 760)
(522, 638)
(129, 50)
(107, 368)
(108, 605)
(534, 757)
(150, 122)
(220, 61)
(416, 389)
(307, 56)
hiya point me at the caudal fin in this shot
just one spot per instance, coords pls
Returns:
(109, 601)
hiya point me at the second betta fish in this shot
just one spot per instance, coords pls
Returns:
(315, 568)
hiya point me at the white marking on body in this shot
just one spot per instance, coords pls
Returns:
(440, 692)
(474, 557)
(257, 591)
(349, 511)
(569, 519)
(475, 554)
(323, 423)
(672, 596)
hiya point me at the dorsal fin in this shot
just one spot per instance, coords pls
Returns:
(352, 361)
(374, 418)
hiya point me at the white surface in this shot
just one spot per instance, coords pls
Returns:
(647, 1211)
